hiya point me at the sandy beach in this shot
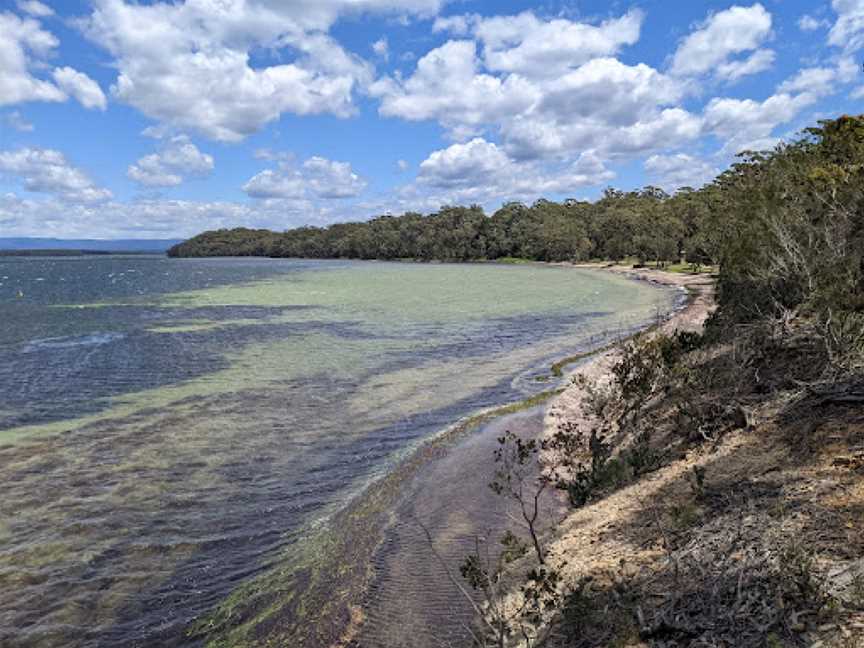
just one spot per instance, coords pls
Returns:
(691, 317)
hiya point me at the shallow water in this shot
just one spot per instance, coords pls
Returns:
(171, 429)
(448, 512)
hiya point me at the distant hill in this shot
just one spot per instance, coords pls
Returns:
(156, 246)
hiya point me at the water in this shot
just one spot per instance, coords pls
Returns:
(170, 430)
(417, 597)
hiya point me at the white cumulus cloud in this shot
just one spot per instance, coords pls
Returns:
(455, 25)
(79, 85)
(48, 171)
(848, 31)
(448, 86)
(24, 48)
(169, 167)
(542, 48)
(748, 124)
(808, 23)
(481, 171)
(188, 64)
(680, 170)
(317, 177)
(607, 106)
(822, 81)
(722, 36)
(464, 164)
(21, 38)
(757, 62)
(35, 8)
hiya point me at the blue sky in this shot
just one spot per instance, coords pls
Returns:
(163, 119)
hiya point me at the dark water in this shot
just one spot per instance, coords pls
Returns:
(170, 428)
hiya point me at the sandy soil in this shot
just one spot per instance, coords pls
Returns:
(690, 318)
(616, 538)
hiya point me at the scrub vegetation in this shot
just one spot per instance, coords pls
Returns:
(716, 476)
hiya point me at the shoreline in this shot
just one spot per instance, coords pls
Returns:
(688, 316)
(404, 546)
(665, 554)
(339, 552)
(580, 543)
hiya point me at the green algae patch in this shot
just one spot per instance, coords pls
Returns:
(256, 366)
(186, 327)
(557, 369)
(309, 599)
(305, 600)
(464, 296)
(440, 293)
(476, 420)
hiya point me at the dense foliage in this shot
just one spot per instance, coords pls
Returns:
(789, 224)
(642, 223)
(787, 229)
(781, 362)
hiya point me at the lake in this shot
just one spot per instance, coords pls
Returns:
(170, 429)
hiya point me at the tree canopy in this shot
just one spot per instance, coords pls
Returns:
(620, 225)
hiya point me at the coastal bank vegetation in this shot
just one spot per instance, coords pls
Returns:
(714, 224)
(714, 470)
(713, 473)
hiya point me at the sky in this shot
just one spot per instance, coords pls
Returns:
(153, 119)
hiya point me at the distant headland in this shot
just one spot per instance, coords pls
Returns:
(34, 246)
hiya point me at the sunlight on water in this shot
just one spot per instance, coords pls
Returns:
(159, 450)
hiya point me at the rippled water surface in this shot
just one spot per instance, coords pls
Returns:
(169, 428)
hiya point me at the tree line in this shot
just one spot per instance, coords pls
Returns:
(648, 224)
(785, 227)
